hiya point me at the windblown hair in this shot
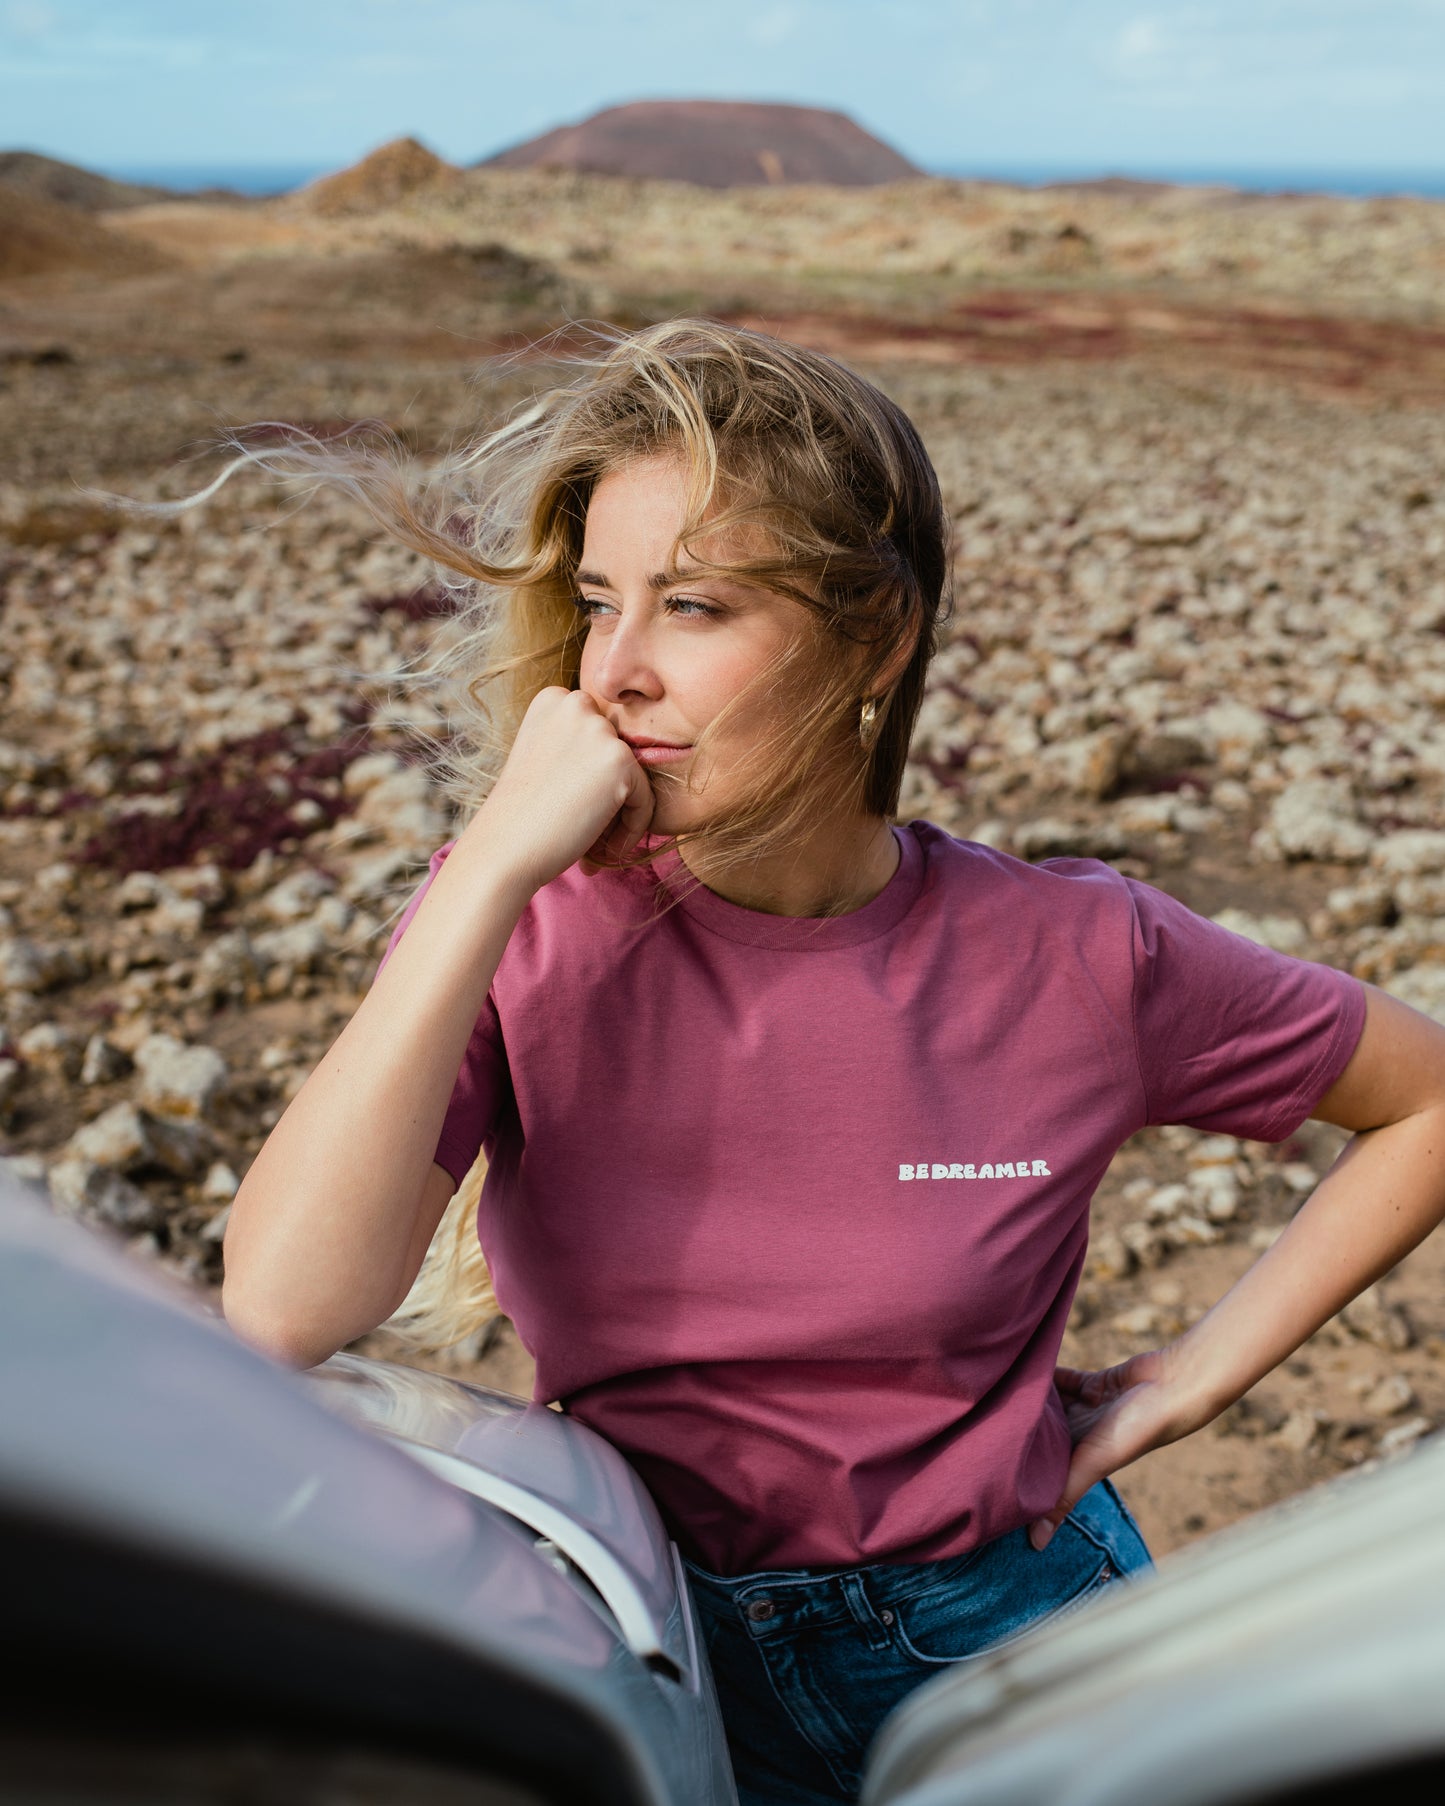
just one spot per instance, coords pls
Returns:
(803, 478)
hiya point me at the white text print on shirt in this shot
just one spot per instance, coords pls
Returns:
(991, 1169)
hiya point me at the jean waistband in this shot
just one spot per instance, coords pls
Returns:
(776, 1599)
(784, 1599)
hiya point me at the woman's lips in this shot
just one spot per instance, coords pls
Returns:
(657, 752)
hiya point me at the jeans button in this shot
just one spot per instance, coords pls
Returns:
(760, 1610)
(886, 1615)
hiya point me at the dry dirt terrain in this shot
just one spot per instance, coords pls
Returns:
(1195, 448)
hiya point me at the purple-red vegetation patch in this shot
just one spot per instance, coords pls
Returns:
(235, 803)
(428, 603)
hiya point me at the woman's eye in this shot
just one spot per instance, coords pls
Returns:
(692, 607)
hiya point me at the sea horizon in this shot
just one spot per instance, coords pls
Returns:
(263, 179)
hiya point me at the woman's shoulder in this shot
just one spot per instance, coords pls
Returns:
(1059, 881)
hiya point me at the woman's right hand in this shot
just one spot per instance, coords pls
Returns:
(570, 790)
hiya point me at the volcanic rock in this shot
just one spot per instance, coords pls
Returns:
(387, 175)
(716, 144)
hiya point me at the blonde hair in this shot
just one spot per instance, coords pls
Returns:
(820, 489)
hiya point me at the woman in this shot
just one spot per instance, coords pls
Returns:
(792, 1116)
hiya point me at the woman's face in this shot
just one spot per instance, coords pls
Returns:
(663, 654)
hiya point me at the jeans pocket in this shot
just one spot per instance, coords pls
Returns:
(1016, 1589)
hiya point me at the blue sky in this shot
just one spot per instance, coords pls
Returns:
(1089, 84)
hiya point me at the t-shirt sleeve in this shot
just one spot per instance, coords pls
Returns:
(1231, 1036)
(482, 1080)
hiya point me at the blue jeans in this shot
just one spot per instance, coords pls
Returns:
(810, 1661)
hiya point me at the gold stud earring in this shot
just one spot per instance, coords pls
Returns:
(867, 721)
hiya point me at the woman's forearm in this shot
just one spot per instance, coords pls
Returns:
(1382, 1197)
(322, 1231)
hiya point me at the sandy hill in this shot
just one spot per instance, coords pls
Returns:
(716, 143)
(48, 179)
(41, 237)
(388, 175)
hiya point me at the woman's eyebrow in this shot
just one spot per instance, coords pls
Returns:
(657, 581)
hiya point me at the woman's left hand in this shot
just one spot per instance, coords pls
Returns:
(1115, 1415)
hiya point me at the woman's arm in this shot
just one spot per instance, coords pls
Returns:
(1381, 1198)
(334, 1217)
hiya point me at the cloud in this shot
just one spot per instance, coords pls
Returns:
(775, 26)
(29, 19)
(1140, 41)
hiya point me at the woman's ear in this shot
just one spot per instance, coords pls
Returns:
(890, 674)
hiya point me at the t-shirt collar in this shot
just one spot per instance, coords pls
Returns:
(803, 934)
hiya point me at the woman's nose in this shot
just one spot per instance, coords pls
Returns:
(626, 667)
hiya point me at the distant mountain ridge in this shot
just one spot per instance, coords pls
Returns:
(39, 237)
(717, 144)
(48, 179)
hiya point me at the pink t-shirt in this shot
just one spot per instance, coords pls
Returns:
(793, 1210)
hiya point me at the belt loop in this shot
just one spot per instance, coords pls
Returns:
(861, 1606)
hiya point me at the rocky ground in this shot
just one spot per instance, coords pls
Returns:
(1200, 632)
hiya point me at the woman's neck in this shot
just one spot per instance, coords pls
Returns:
(835, 870)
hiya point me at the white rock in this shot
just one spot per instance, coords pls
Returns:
(1215, 1150)
(1142, 1320)
(1236, 734)
(51, 1047)
(57, 880)
(1090, 764)
(1359, 905)
(1285, 934)
(174, 914)
(1109, 1257)
(1052, 839)
(299, 948)
(1146, 814)
(118, 1137)
(138, 890)
(1424, 896)
(1145, 1242)
(404, 808)
(130, 1140)
(374, 873)
(202, 883)
(1422, 987)
(1190, 1232)
(215, 1229)
(1403, 1436)
(296, 896)
(1181, 529)
(333, 916)
(220, 1184)
(1216, 1191)
(227, 966)
(1167, 1202)
(102, 1061)
(179, 1079)
(369, 770)
(1300, 1429)
(1315, 818)
(27, 965)
(100, 1194)
(1390, 1396)
(1410, 852)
